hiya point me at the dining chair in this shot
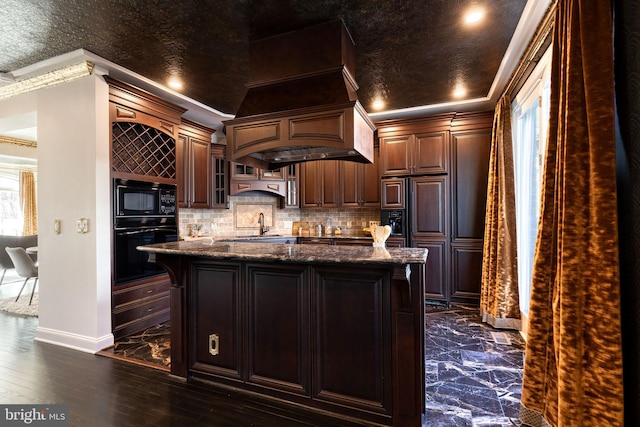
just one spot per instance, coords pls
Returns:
(25, 267)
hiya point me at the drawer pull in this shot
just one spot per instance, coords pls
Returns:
(213, 344)
(149, 310)
(148, 291)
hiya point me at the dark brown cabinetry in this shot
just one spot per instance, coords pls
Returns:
(447, 160)
(193, 164)
(219, 178)
(420, 147)
(256, 334)
(144, 131)
(140, 305)
(393, 193)
(249, 178)
(340, 183)
(319, 183)
(360, 187)
(470, 151)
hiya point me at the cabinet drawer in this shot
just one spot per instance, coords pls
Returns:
(140, 293)
(140, 311)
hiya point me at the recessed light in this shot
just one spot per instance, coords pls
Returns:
(175, 83)
(474, 15)
(377, 104)
(459, 91)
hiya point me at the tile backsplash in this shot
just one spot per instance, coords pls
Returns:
(244, 210)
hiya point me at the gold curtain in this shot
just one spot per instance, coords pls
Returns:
(28, 202)
(500, 302)
(573, 359)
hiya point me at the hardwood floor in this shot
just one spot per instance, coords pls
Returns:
(102, 391)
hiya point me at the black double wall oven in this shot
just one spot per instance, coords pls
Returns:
(144, 213)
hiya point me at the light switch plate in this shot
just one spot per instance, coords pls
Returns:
(82, 225)
(374, 224)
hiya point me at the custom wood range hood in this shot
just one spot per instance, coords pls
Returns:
(301, 102)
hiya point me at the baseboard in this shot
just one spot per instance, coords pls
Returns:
(74, 341)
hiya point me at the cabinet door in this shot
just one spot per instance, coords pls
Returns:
(371, 182)
(352, 348)
(273, 175)
(393, 192)
(216, 323)
(436, 280)
(240, 171)
(470, 165)
(431, 153)
(396, 152)
(466, 272)
(330, 179)
(311, 191)
(278, 318)
(200, 158)
(182, 168)
(352, 175)
(292, 197)
(219, 178)
(429, 207)
(320, 181)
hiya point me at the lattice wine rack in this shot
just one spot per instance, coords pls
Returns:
(142, 150)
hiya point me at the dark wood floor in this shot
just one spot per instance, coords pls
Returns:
(102, 391)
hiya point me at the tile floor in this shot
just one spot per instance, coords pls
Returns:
(471, 379)
(473, 371)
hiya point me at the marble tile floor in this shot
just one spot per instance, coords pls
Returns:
(473, 372)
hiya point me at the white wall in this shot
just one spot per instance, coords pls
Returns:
(73, 182)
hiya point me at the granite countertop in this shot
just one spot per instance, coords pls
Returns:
(255, 251)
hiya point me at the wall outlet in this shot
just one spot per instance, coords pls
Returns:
(364, 224)
(349, 224)
(288, 224)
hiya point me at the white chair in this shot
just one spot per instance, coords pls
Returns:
(25, 267)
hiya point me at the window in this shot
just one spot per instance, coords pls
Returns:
(10, 212)
(530, 115)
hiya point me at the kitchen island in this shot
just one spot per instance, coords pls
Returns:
(333, 330)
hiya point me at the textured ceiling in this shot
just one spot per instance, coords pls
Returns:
(411, 52)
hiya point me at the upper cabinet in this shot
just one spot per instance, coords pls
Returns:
(144, 129)
(320, 184)
(219, 177)
(415, 147)
(360, 183)
(340, 183)
(249, 178)
(193, 164)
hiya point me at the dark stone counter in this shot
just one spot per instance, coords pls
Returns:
(255, 251)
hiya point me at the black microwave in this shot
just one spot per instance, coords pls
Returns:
(135, 199)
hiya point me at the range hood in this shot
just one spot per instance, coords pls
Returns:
(301, 102)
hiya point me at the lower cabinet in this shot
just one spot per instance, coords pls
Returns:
(318, 336)
(139, 305)
(466, 271)
(436, 281)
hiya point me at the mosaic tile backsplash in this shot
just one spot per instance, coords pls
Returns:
(244, 210)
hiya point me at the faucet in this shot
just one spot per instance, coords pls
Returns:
(263, 228)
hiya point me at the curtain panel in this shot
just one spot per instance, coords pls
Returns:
(499, 300)
(573, 358)
(28, 202)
